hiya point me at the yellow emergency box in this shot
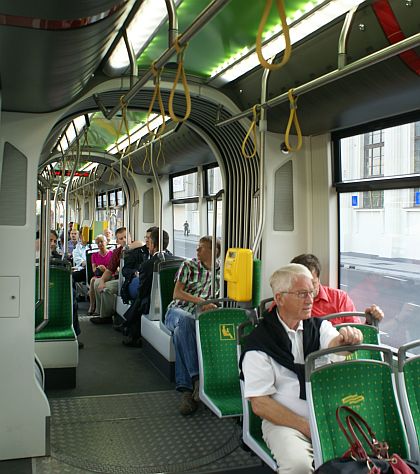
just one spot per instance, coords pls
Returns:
(238, 274)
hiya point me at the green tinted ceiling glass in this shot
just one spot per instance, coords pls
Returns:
(234, 28)
(103, 132)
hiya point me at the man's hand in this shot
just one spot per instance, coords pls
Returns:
(101, 286)
(208, 306)
(102, 268)
(347, 336)
(375, 312)
(350, 336)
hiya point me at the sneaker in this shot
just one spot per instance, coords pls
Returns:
(188, 405)
(196, 391)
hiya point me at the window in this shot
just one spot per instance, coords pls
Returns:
(373, 167)
(213, 181)
(193, 207)
(112, 198)
(416, 191)
(379, 251)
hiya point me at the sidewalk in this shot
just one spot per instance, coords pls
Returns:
(393, 268)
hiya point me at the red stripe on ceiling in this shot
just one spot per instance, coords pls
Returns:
(42, 24)
(392, 30)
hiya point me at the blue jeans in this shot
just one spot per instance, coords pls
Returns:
(182, 326)
(133, 288)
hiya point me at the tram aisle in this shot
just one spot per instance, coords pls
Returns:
(123, 417)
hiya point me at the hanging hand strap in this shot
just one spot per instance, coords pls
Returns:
(180, 73)
(156, 95)
(252, 129)
(293, 119)
(285, 28)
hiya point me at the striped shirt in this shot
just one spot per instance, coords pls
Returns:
(197, 280)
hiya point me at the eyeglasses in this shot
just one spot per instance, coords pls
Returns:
(302, 295)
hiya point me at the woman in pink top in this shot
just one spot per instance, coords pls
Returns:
(100, 261)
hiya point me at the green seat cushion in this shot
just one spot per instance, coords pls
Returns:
(412, 385)
(219, 353)
(60, 307)
(167, 285)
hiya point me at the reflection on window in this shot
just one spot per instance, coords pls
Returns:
(380, 262)
(210, 215)
(185, 186)
(393, 151)
(186, 229)
(214, 180)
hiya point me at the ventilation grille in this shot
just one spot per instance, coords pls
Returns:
(13, 187)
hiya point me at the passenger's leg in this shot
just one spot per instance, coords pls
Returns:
(92, 302)
(186, 360)
(108, 299)
(98, 295)
(291, 449)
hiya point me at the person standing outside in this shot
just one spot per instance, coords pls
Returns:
(192, 286)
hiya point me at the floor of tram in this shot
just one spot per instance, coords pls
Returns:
(123, 418)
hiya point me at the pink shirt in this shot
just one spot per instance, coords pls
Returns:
(331, 300)
(99, 259)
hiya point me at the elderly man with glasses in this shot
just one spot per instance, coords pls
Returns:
(272, 366)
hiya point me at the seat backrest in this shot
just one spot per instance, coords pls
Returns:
(217, 348)
(409, 390)
(60, 300)
(166, 271)
(367, 386)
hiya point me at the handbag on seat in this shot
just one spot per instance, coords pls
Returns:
(357, 459)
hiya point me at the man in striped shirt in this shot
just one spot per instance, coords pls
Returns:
(192, 286)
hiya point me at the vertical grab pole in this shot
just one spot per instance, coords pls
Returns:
(213, 245)
(156, 177)
(66, 202)
(41, 248)
(262, 126)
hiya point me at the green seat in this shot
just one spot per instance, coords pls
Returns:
(251, 425)
(167, 271)
(60, 324)
(367, 386)
(409, 391)
(217, 355)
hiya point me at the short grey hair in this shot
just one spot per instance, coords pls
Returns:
(283, 278)
(100, 237)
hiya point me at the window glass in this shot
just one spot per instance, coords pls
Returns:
(393, 151)
(186, 229)
(380, 261)
(104, 199)
(210, 215)
(185, 186)
(112, 200)
(214, 180)
(120, 197)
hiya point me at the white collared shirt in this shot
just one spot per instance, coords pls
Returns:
(264, 376)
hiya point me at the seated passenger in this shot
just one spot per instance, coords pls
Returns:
(79, 261)
(105, 299)
(53, 244)
(272, 365)
(109, 236)
(331, 300)
(100, 260)
(133, 259)
(74, 239)
(193, 286)
(141, 304)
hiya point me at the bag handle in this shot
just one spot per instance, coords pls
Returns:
(354, 420)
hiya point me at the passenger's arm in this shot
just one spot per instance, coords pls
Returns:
(181, 294)
(269, 409)
(107, 275)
